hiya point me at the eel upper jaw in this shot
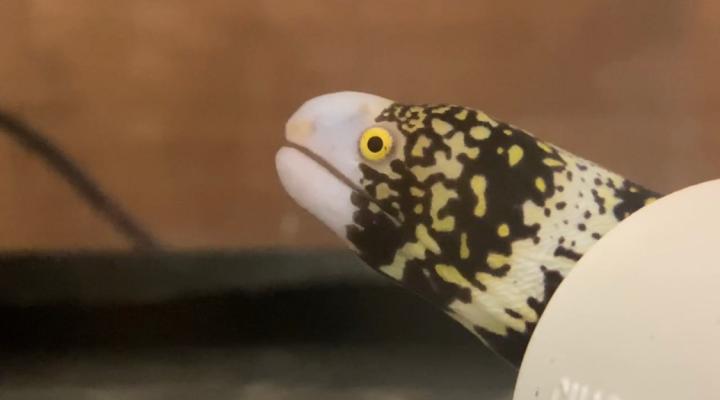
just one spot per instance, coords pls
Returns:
(322, 137)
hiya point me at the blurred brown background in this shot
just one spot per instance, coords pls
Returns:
(177, 107)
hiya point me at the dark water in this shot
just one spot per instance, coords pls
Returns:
(272, 372)
(228, 326)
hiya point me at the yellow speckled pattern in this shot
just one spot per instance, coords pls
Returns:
(491, 218)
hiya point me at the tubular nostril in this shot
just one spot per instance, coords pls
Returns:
(332, 110)
(297, 130)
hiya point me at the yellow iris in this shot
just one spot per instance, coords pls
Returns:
(375, 143)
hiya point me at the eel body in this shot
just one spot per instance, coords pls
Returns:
(475, 215)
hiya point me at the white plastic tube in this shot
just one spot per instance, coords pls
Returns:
(639, 317)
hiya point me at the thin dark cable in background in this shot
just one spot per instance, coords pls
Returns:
(35, 142)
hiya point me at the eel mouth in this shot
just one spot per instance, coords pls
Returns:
(328, 167)
(339, 177)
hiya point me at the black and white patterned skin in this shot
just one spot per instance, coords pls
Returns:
(479, 217)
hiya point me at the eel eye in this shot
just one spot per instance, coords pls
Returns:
(375, 143)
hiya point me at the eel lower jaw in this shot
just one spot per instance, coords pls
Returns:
(315, 188)
(318, 187)
(325, 165)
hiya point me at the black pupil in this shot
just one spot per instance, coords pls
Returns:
(375, 144)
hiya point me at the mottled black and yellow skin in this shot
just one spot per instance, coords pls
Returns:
(482, 218)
